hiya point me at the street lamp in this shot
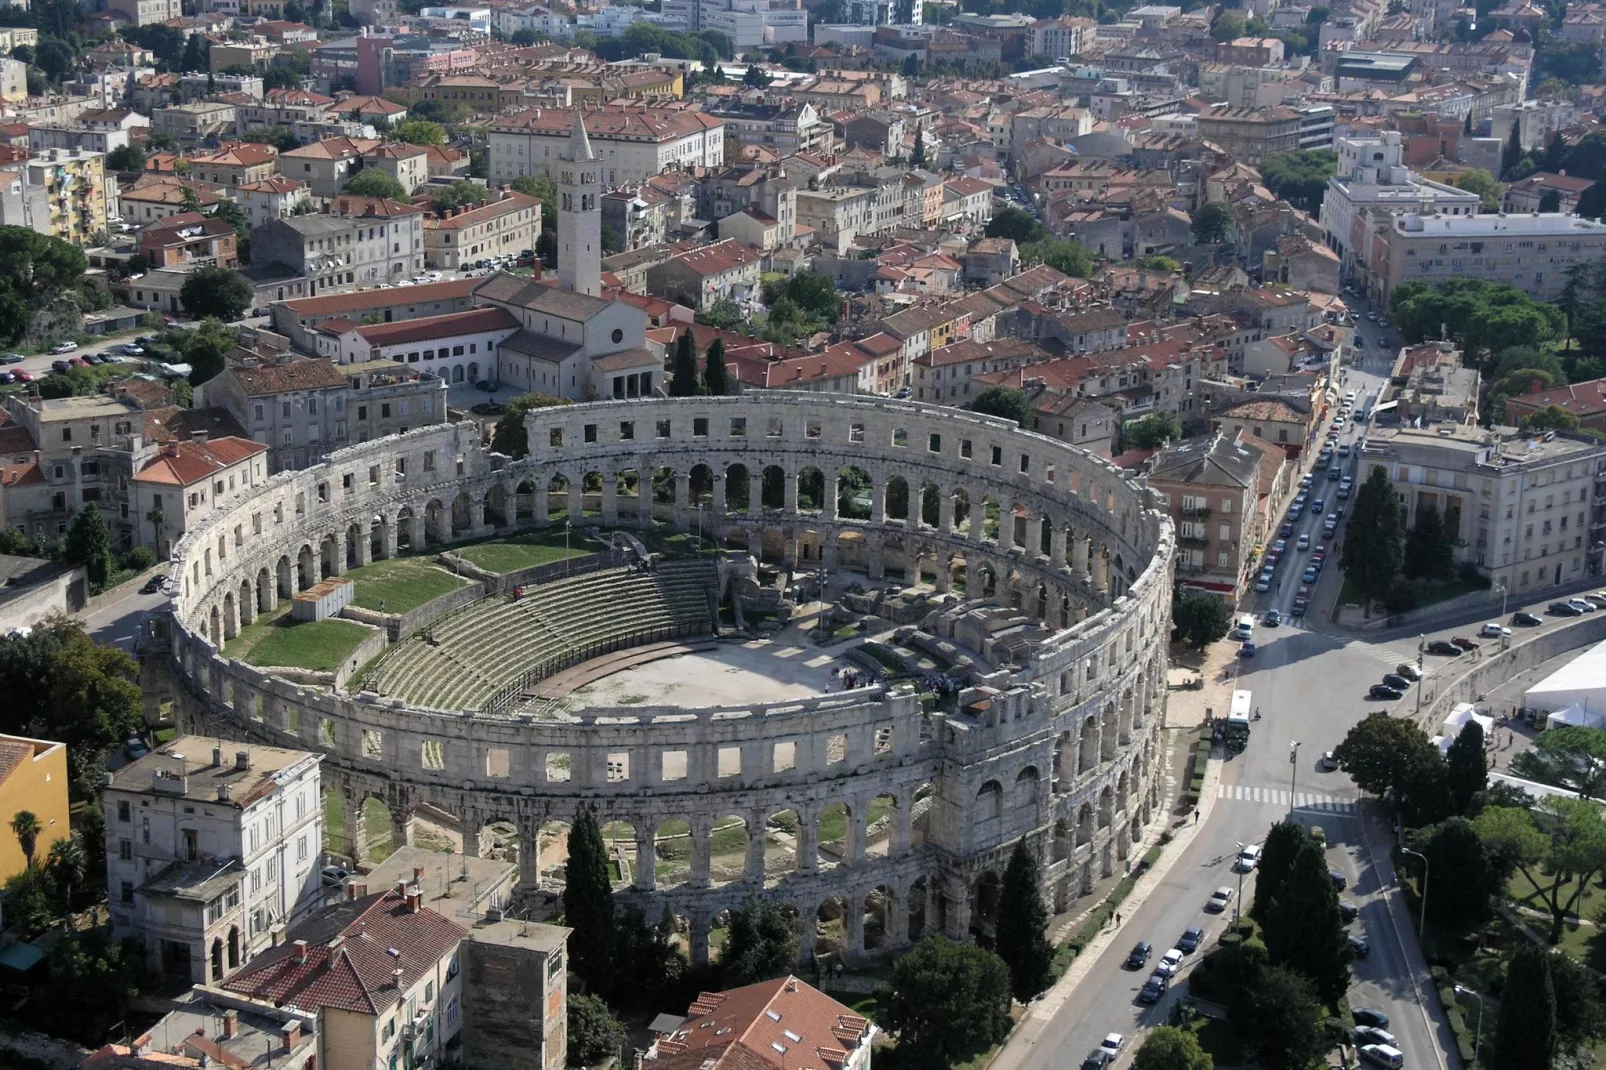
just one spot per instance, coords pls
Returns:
(1423, 921)
(1293, 774)
(1421, 652)
(1504, 595)
(1238, 906)
(1477, 1035)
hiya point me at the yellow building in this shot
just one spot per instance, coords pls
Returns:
(33, 777)
(74, 182)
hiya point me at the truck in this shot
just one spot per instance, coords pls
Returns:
(1238, 718)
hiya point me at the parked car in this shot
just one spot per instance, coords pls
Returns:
(1097, 1059)
(1408, 670)
(1444, 648)
(12, 358)
(134, 349)
(1311, 572)
(1383, 1055)
(1248, 858)
(135, 748)
(60, 367)
(1494, 631)
(65, 347)
(1219, 900)
(1286, 530)
(1396, 681)
(1526, 619)
(22, 375)
(1329, 761)
(1114, 1042)
(334, 876)
(1384, 691)
(1368, 1016)
(1169, 963)
(7, 377)
(1138, 957)
(152, 585)
(1154, 988)
(1339, 880)
(1465, 643)
(1348, 911)
(1247, 650)
(1272, 618)
(1370, 1034)
(1191, 939)
(1299, 607)
(1583, 605)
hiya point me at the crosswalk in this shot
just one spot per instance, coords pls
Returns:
(1303, 800)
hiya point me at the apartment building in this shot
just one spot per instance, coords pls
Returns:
(210, 846)
(295, 407)
(390, 398)
(272, 198)
(1531, 252)
(1586, 400)
(785, 129)
(505, 226)
(725, 270)
(407, 164)
(327, 165)
(631, 143)
(62, 454)
(182, 484)
(1210, 486)
(457, 347)
(1518, 507)
(241, 164)
(297, 320)
(1252, 134)
(191, 124)
(78, 197)
(147, 12)
(838, 215)
(1062, 37)
(189, 239)
(33, 777)
(389, 236)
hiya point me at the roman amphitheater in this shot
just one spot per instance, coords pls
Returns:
(886, 805)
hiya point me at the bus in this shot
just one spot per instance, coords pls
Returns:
(1238, 720)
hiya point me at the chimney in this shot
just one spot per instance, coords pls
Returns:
(217, 757)
(396, 976)
(141, 1045)
(198, 435)
(300, 953)
(418, 874)
(401, 889)
(242, 760)
(231, 1024)
(791, 984)
(292, 1035)
(415, 899)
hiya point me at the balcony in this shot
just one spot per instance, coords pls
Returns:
(1199, 541)
(1196, 512)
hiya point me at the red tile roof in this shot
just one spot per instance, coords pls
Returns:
(716, 259)
(352, 950)
(451, 325)
(365, 300)
(182, 463)
(784, 1024)
(513, 202)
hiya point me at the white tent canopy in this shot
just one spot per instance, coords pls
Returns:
(1458, 719)
(1575, 715)
(1581, 682)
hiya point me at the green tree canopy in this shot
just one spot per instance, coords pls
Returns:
(1481, 316)
(1283, 1023)
(1277, 854)
(1384, 754)
(1490, 190)
(1016, 224)
(1525, 1031)
(420, 132)
(1170, 1048)
(1464, 879)
(683, 381)
(717, 379)
(1229, 24)
(1559, 846)
(810, 292)
(1551, 418)
(1568, 756)
(460, 195)
(26, 828)
(372, 182)
(1199, 618)
(1466, 770)
(89, 544)
(1022, 940)
(125, 158)
(1062, 254)
(595, 1035)
(1372, 552)
(760, 944)
(510, 436)
(1300, 177)
(1212, 223)
(1429, 552)
(216, 292)
(947, 1002)
(588, 902)
(1303, 929)
(1152, 432)
(1005, 401)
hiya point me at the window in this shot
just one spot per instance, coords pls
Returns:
(125, 850)
(123, 812)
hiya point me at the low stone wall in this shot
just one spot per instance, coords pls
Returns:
(1449, 608)
(555, 570)
(401, 624)
(1493, 670)
(366, 651)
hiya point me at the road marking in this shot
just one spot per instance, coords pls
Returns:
(1304, 800)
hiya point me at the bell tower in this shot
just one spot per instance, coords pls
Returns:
(579, 214)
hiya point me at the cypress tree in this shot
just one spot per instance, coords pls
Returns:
(683, 369)
(716, 379)
(588, 902)
(1022, 925)
(1276, 859)
(1513, 150)
(1525, 1033)
(1466, 770)
(89, 544)
(917, 158)
(1304, 930)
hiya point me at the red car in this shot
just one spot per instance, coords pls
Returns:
(1464, 643)
(22, 376)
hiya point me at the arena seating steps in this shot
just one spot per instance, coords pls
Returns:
(485, 646)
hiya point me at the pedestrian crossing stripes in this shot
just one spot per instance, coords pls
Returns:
(1303, 800)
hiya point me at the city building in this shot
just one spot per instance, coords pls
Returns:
(326, 165)
(631, 143)
(838, 215)
(508, 225)
(1529, 194)
(241, 164)
(212, 847)
(1531, 252)
(1516, 507)
(61, 454)
(189, 240)
(698, 277)
(785, 129)
(295, 407)
(772, 1025)
(1210, 486)
(183, 483)
(1252, 134)
(78, 197)
(33, 778)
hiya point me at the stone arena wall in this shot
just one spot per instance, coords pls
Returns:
(1065, 756)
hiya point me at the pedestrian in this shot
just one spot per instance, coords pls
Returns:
(1118, 920)
(1196, 815)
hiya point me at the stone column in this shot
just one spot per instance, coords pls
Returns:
(1101, 576)
(978, 518)
(721, 494)
(878, 503)
(808, 932)
(755, 493)
(340, 554)
(1056, 546)
(417, 536)
(1034, 537)
(351, 830)
(853, 926)
(895, 926)
(401, 827)
(956, 913)
(875, 550)
(808, 841)
(682, 499)
(387, 538)
(542, 506)
(1079, 551)
(646, 861)
(902, 821)
(577, 505)
(476, 516)
(701, 863)
(610, 498)
(945, 512)
(365, 548)
(944, 574)
(529, 853)
(791, 492)
(1006, 526)
(829, 490)
(755, 849)
(857, 833)
(700, 929)
(789, 558)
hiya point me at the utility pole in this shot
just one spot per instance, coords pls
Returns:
(1293, 774)
(1421, 650)
(1422, 925)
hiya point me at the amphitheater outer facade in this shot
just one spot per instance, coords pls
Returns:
(1067, 756)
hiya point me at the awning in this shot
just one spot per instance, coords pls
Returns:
(21, 957)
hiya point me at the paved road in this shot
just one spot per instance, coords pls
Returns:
(117, 623)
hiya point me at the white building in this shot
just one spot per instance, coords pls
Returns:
(185, 481)
(1530, 251)
(1537, 121)
(475, 19)
(1372, 179)
(631, 143)
(212, 848)
(1518, 507)
(750, 23)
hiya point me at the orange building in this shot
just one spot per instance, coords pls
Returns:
(33, 777)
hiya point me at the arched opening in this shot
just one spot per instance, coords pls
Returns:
(496, 506)
(852, 552)
(989, 812)
(882, 826)
(727, 850)
(1027, 798)
(1121, 790)
(328, 557)
(1089, 749)
(404, 528)
(217, 958)
(457, 373)
(878, 908)
(898, 499)
(672, 849)
(248, 603)
(830, 925)
(230, 620)
(701, 487)
(265, 588)
(436, 528)
(591, 493)
(962, 512)
(915, 908)
(920, 815)
(853, 493)
(524, 501)
(1084, 825)
(738, 492)
(1062, 841)
(551, 855)
(990, 518)
(374, 832)
(780, 843)
(234, 947)
(1106, 807)
(663, 493)
(306, 568)
(557, 499)
(810, 490)
(835, 834)
(930, 504)
(772, 490)
(626, 492)
(354, 541)
(462, 515)
(984, 908)
(619, 838)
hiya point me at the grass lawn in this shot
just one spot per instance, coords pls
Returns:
(319, 645)
(377, 831)
(1220, 1039)
(334, 833)
(1520, 889)
(523, 551)
(400, 583)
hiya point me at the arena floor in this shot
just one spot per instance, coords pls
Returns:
(763, 670)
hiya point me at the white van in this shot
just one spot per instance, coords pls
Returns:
(1245, 628)
(1384, 1056)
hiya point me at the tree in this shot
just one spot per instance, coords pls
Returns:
(89, 544)
(420, 132)
(1229, 24)
(66, 867)
(53, 58)
(911, 66)
(683, 369)
(126, 158)
(31, 903)
(1300, 177)
(1212, 223)
(1551, 418)
(1022, 923)
(1490, 190)
(716, 377)
(1580, 1016)
(1550, 201)
(810, 292)
(91, 983)
(1171, 1048)
(1016, 224)
(1277, 854)
(612, 240)
(1283, 1023)
(1372, 551)
(280, 137)
(1152, 431)
(947, 1002)
(755, 77)
(1511, 153)
(723, 314)
(647, 966)
(1061, 254)
(1429, 553)
(510, 436)
(759, 944)
(216, 292)
(588, 902)
(1569, 756)
(1303, 929)
(1466, 770)
(1383, 754)
(1199, 618)
(595, 1035)
(460, 195)
(372, 182)
(1525, 1031)
(1559, 846)
(197, 53)
(1004, 401)
(1464, 878)
(26, 828)
(917, 157)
